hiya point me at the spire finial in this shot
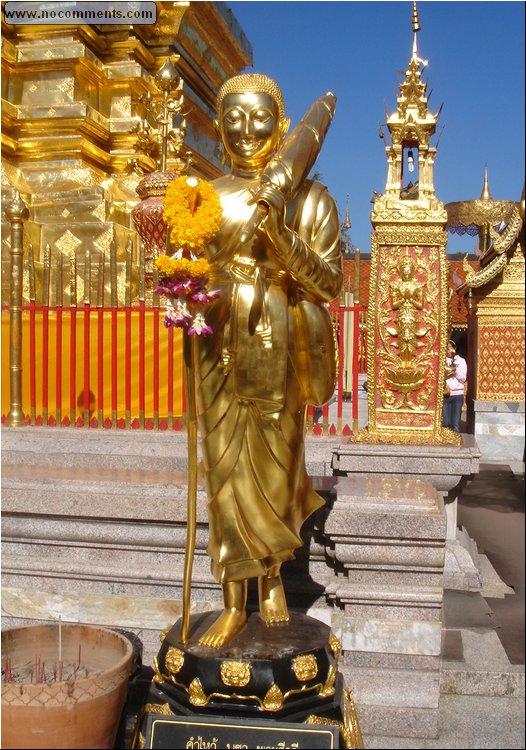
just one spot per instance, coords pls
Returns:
(347, 222)
(485, 195)
(416, 28)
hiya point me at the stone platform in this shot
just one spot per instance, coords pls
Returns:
(448, 468)
(105, 545)
(499, 431)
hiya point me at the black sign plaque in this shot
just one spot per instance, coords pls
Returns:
(196, 733)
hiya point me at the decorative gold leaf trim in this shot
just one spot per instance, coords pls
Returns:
(327, 689)
(164, 633)
(273, 700)
(350, 718)
(348, 740)
(335, 645)
(394, 437)
(158, 708)
(270, 702)
(197, 694)
(349, 727)
(481, 278)
(503, 242)
(158, 676)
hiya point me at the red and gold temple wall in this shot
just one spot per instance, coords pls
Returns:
(407, 332)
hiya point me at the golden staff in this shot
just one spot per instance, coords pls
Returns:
(190, 352)
(191, 498)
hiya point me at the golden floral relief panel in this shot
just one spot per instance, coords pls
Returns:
(406, 336)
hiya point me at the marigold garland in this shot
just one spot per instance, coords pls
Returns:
(179, 268)
(193, 215)
(191, 229)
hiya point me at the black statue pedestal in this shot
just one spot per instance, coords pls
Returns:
(266, 677)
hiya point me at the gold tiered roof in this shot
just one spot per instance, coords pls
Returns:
(506, 251)
(412, 119)
(410, 126)
(466, 217)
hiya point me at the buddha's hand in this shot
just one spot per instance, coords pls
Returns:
(274, 225)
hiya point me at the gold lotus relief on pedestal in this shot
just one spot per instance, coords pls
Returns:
(405, 379)
(273, 700)
(196, 693)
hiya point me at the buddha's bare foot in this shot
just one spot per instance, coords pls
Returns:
(272, 603)
(229, 623)
(232, 619)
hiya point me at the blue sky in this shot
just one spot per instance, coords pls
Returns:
(359, 51)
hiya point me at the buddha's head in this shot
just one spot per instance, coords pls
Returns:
(251, 120)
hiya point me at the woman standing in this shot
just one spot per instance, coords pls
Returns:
(456, 374)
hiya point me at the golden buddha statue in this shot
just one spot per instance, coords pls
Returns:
(253, 378)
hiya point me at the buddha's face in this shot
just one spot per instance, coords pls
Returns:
(250, 129)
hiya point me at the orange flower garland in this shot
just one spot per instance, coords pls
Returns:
(193, 214)
(191, 228)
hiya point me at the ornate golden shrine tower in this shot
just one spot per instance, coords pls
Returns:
(496, 340)
(407, 320)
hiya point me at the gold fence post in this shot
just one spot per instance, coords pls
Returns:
(17, 212)
(356, 301)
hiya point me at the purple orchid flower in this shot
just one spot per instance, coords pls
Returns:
(178, 316)
(199, 327)
(203, 295)
(163, 289)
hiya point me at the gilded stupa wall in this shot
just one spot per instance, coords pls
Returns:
(69, 100)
